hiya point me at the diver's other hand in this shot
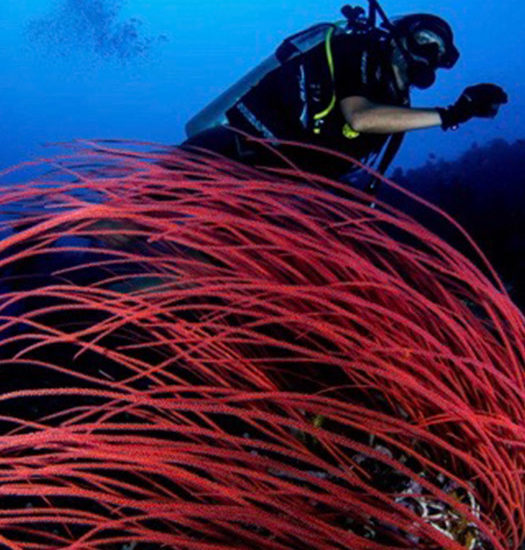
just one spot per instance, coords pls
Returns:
(482, 100)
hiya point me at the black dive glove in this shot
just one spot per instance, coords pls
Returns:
(482, 100)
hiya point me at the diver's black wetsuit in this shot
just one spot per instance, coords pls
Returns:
(283, 104)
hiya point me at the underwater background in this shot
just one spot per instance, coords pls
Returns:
(139, 69)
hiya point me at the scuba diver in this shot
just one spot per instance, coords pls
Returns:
(344, 87)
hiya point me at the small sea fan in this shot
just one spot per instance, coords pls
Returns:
(199, 355)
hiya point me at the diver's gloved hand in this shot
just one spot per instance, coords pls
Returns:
(482, 100)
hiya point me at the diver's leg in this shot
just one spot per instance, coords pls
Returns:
(220, 140)
(233, 145)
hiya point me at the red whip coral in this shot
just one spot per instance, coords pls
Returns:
(198, 355)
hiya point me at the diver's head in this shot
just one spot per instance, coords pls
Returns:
(426, 43)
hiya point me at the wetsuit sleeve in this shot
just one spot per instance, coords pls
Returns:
(350, 67)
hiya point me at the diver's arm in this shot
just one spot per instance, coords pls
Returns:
(481, 100)
(364, 116)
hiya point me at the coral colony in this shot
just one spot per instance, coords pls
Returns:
(200, 355)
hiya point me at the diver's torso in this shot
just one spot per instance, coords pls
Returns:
(284, 103)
